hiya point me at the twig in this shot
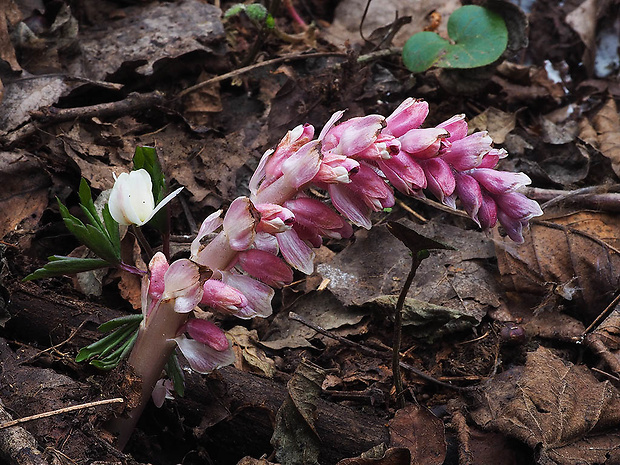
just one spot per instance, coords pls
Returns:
(604, 198)
(55, 346)
(604, 314)
(38, 416)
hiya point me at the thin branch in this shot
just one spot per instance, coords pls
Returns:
(73, 408)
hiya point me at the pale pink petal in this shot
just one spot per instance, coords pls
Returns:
(266, 267)
(422, 143)
(222, 298)
(330, 124)
(267, 242)
(439, 177)
(517, 205)
(296, 252)
(259, 174)
(409, 115)
(202, 358)
(354, 135)
(301, 167)
(500, 182)
(350, 205)
(259, 295)
(206, 332)
(456, 127)
(468, 190)
(467, 153)
(157, 270)
(274, 218)
(163, 390)
(492, 157)
(240, 223)
(512, 226)
(209, 225)
(182, 283)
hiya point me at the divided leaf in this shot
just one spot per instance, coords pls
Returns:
(478, 37)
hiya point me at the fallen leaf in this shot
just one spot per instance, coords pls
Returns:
(9, 16)
(568, 257)
(22, 97)
(377, 264)
(417, 429)
(498, 123)
(391, 456)
(24, 193)
(248, 357)
(253, 461)
(583, 20)
(294, 438)
(555, 407)
(147, 34)
(607, 125)
(321, 308)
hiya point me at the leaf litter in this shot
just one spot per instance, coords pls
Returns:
(559, 125)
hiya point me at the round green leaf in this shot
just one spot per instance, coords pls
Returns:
(422, 50)
(479, 38)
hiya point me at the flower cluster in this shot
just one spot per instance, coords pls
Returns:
(354, 162)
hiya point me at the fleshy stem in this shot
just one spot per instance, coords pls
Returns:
(398, 326)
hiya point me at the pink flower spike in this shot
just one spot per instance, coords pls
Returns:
(209, 225)
(500, 182)
(487, 214)
(223, 298)
(516, 205)
(202, 358)
(423, 143)
(206, 332)
(456, 127)
(404, 173)
(182, 283)
(439, 177)
(240, 222)
(259, 295)
(468, 190)
(467, 153)
(409, 115)
(274, 218)
(265, 267)
(296, 252)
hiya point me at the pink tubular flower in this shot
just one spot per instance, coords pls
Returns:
(259, 295)
(409, 115)
(439, 177)
(500, 182)
(467, 153)
(423, 143)
(274, 218)
(240, 223)
(222, 298)
(404, 173)
(353, 136)
(456, 127)
(468, 190)
(203, 358)
(265, 267)
(206, 332)
(296, 252)
(314, 219)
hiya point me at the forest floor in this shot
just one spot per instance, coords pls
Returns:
(515, 362)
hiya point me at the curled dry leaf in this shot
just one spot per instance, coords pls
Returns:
(417, 429)
(607, 125)
(498, 123)
(294, 437)
(248, 357)
(555, 407)
(570, 257)
(380, 456)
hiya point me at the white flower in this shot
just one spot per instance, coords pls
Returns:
(131, 200)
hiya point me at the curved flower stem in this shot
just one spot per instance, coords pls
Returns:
(137, 232)
(398, 326)
(148, 358)
(131, 269)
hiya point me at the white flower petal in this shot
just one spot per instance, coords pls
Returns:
(202, 358)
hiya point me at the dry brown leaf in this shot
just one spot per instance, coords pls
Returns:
(570, 257)
(24, 193)
(248, 357)
(498, 123)
(583, 20)
(607, 125)
(417, 429)
(391, 456)
(553, 406)
(9, 15)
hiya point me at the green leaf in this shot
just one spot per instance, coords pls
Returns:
(87, 204)
(479, 38)
(93, 238)
(175, 373)
(256, 12)
(120, 321)
(111, 228)
(146, 158)
(59, 265)
(234, 10)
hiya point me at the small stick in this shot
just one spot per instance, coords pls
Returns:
(38, 416)
(55, 346)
